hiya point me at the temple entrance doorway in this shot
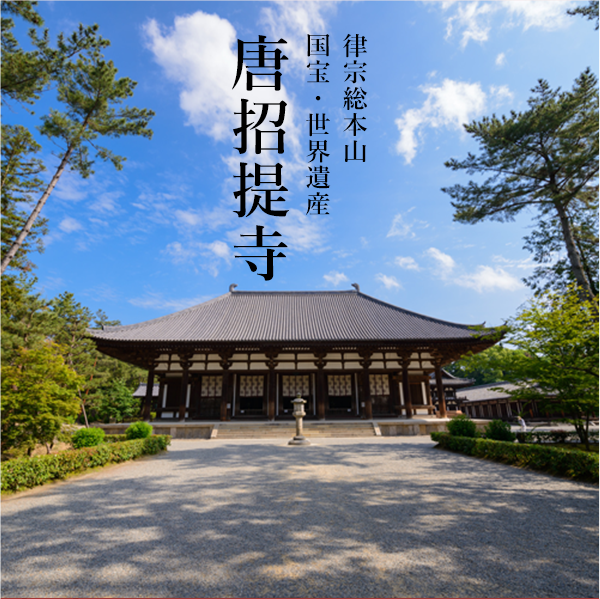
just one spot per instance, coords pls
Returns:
(292, 385)
(381, 399)
(251, 397)
(205, 402)
(341, 396)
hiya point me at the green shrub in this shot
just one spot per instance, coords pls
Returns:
(498, 430)
(462, 426)
(87, 437)
(115, 438)
(25, 473)
(138, 430)
(578, 465)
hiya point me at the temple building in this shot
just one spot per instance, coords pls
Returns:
(247, 354)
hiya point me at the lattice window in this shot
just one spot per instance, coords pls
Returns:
(212, 386)
(251, 386)
(292, 385)
(339, 385)
(379, 384)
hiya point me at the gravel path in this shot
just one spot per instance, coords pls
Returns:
(382, 517)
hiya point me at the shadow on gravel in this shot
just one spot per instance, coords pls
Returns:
(343, 520)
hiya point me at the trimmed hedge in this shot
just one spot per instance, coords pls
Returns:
(26, 473)
(462, 426)
(115, 438)
(578, 465)
(557, 436)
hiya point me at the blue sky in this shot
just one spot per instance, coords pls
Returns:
(158, 236)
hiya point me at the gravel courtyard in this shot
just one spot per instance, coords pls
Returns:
(381, 517)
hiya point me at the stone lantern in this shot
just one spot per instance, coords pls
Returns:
(298, 414)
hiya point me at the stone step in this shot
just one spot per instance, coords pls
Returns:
(277, 430)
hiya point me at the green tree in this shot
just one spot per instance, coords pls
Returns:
(116, 401)
(39, 394)
(27, 73)
(93, 98)
(492, 365)
(544, 158)
(20, 181)
(27, 319)
(546, 243)
(559, 335)
(590, 11)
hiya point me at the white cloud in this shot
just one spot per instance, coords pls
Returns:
(71, 187)
(388, 282)
(198, 54)
(188, 217)
(526, 264)
(406, 262)
(545, 15)
(179, 253)
(69, 225)
(400, 228)
(472, 21)
(221, 250)
(444, 260)
(293, 21)
(107, 202)
(335, 278)
(486, 278)
(501, 59)
(449, 105)
(156, 301)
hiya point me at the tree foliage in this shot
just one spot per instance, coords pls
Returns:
(492, 365)
(559, 335)
(89, 91)
(39, 394)
(20, 182)
(590, 12)
(546, 244)
(544, 158)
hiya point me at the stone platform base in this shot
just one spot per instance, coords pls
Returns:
(322, 428)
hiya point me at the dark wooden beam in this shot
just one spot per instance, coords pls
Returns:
(149, 389)
(439, 389)
(321, 386)
(227, 387)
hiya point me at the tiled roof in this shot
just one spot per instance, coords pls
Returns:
(484, 392)
(291, 316)
(449, 380)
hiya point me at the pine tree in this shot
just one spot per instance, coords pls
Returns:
(544, 158)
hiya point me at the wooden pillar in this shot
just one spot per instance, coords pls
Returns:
(149, 389)
(431, 409)
(439, 387)
(227, 388)
(395, 394)
(366, 393)
(271, 398)
(161, 390)
(321, 387)
(364, 387)
(272, 389)
(185, 365)
(406, 388)
(321, 393)
(226, 395)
